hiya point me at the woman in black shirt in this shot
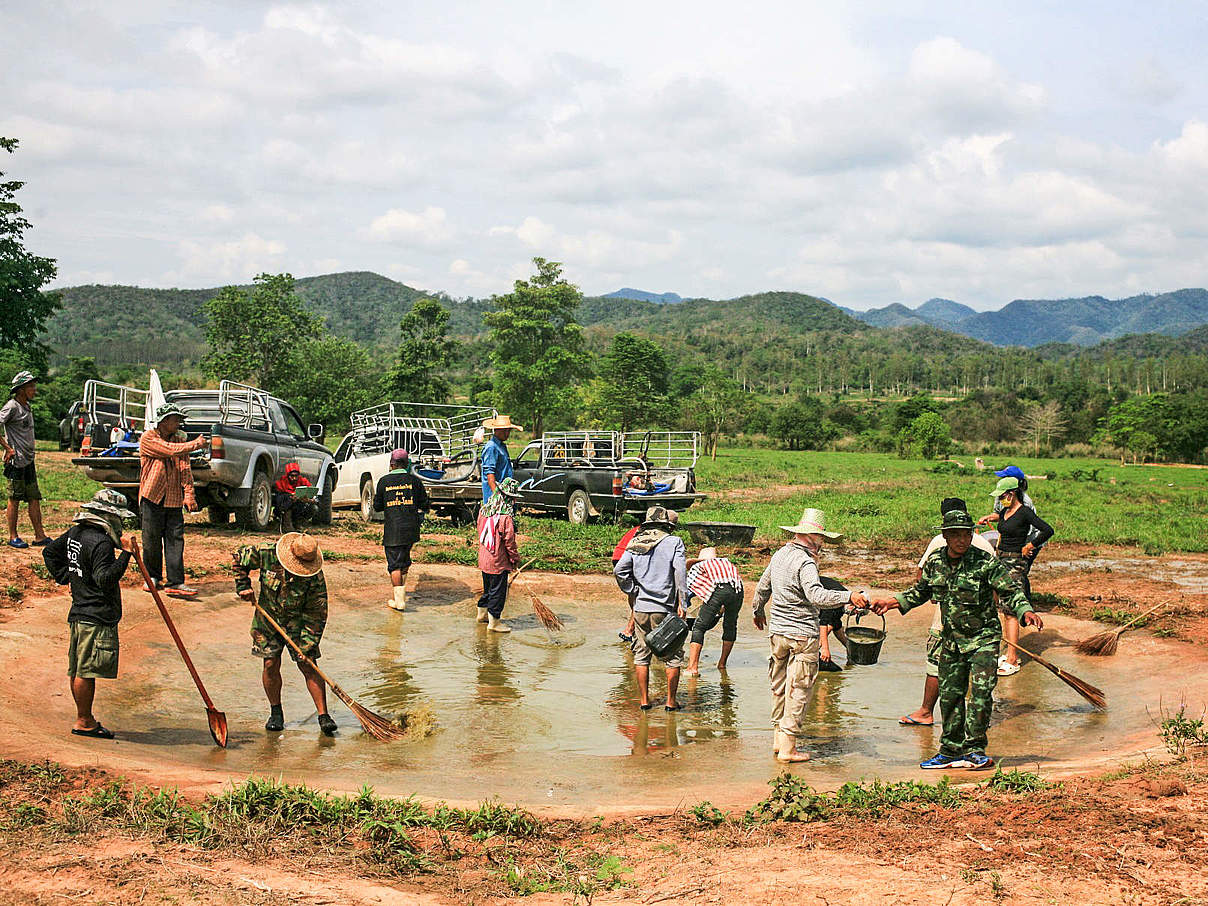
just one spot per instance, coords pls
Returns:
(1016, 553)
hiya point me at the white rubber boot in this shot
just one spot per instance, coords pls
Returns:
(482, 615)
(400, 598)
(497, 625)
(788, 753)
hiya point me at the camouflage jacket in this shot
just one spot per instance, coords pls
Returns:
(964, 592)
(280, 591)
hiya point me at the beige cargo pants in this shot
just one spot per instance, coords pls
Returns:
(792, 668)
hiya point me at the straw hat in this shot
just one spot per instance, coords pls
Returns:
(706, 553)
(812, 522)
(299, 553)
(501, 421)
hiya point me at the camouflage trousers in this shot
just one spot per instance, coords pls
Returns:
(967, 683)
(1019, 566)
(304, 623)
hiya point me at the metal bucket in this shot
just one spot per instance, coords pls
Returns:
(863, 642)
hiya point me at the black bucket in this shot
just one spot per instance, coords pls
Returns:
(863, 642)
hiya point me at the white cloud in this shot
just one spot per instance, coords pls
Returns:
(427, 227)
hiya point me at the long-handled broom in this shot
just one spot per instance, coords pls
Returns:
(1104, 643)
(1092, 694)
(372, 723)
(550, 620)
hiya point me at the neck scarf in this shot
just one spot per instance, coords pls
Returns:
(115, 534)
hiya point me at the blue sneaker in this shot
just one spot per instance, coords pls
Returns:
(978, 761)
(18, 544)
(943, 762)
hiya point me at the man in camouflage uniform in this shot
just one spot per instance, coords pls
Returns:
(962, 580)
(294, 592)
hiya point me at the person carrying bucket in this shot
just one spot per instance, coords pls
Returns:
(791, 582)
(963, 580)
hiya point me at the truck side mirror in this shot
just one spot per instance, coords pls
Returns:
(315, 431)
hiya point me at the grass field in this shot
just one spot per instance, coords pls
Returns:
(874, 499)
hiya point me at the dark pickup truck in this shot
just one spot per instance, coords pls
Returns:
(610, 474)
(252, 436)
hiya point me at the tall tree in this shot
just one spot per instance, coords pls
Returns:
(715, 408)
(328, 379)
(536, 344)
(1042, 423)
(24, 308)
(424, 351)
(252, 336)
(632, 385)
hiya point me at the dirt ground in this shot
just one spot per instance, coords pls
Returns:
(1135, 836)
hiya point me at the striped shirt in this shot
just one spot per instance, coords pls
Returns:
(708, 574)
(165, 475)
(792, 584)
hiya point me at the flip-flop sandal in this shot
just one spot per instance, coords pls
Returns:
(673, 707)
(909, 721)
(97, 732)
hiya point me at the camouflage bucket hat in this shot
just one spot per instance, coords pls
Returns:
(168, 409)
(112, 498)
(20, 380)
(104, 509)
(660, 515)
(956, 519)
(509, 487)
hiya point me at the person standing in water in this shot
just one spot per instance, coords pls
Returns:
(497, 552)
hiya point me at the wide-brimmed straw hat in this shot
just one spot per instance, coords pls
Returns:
(660, 515)
(812, 522)
(501, 421)
(706, 553)
(300, 554)
(956, 519)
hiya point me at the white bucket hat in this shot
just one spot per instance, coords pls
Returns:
(813, 522)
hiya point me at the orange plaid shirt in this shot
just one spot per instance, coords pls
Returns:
(165, 476)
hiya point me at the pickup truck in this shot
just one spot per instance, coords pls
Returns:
(252, 436)
(438, 437)
(589, 474)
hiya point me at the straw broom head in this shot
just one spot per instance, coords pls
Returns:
(547, 617)
(1103, 644)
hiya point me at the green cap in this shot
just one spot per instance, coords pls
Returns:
(1004, 485)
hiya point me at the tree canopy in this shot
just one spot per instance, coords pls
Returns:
(24, 308)
(425, 351)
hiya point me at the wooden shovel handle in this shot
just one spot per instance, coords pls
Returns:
(163, 612)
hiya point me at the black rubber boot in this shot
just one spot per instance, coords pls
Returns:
(276, 720)
(327, 725)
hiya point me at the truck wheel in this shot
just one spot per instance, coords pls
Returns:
(367, 500)
(578, 507)
(258, 513)
(323, 503)
(219, 515)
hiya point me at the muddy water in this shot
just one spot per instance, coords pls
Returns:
(552, 720)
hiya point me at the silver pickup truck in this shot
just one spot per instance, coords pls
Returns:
(253, 435)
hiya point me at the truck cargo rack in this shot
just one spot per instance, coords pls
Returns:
(606, 449)
(662, 449)
(243, 406)
(114, 402)
(417, 428)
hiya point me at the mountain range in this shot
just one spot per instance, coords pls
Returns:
(641, 295)
(118, 324)
(1033, 322)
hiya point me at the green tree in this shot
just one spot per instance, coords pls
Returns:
(799, 425)
(424, 351)
(253, 336)
(927, 436)
(327, 380)
(537, 345)
(631, 388)
(24, 308)
(716, 408)
(1137, 426)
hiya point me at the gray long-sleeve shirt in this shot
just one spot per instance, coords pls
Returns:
(659, 578)
(792, 584)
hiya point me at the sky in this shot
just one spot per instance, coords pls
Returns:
(867, 153)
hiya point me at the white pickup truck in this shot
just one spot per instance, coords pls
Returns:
(440, 439)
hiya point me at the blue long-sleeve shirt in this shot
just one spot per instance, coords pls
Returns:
(495, 461)
(659, 578)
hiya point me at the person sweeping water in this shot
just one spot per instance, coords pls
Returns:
(293, 592)
(497, 552)
(963, 580)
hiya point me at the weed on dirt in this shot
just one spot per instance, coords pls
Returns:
(792, 799)
(1180, 732)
